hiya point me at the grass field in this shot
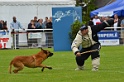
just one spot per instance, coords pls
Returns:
(63, 63)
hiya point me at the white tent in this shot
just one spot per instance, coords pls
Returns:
(25, 10)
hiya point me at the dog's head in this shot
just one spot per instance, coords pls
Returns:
(47, 52)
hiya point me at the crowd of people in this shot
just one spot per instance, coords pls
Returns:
(118, 22)
(35, 23)
(97, 20)
(40, 24)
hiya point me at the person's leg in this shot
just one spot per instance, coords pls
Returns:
(80, 60)
(13, 37)
(95, 57)
(17, 41)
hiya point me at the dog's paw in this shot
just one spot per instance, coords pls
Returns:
(42, 69)
(49, 67)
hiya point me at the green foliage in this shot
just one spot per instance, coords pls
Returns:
(86, 10)
(74, 29)
(85, 16)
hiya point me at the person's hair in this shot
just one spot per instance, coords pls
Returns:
(46, 17)
(14, 17)
(35, 17)
(32, 20)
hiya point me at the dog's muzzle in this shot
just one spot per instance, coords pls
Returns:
(50, 54)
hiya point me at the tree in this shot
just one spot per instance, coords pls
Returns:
(74, 29)
(88, 6)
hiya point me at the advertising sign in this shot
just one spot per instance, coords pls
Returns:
(109, 38)
(34, 35)
(63, 18)
(5, 39)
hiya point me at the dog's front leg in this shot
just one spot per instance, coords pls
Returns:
(43, 66)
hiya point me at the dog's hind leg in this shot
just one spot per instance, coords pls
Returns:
(18, 67)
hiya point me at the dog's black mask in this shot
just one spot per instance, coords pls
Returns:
(49, 54)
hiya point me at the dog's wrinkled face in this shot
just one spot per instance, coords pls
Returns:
(48, 53)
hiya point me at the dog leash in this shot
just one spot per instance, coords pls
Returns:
(89, 51)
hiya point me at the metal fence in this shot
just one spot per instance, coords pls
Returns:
(36, 38)
(33, 38)
(28, 38)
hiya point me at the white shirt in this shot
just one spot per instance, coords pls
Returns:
(95, 21)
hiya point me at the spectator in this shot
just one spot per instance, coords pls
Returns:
(117, 22)
(1, 25)
(90, 23)
(5, 25)
(15, 25)
(103, 18)
(35, 20)
(96, 20)
(31, 42)
(46, 19)
(49, 36)
(122, 31)
(50, 19)
(40, 25)
(49, 24)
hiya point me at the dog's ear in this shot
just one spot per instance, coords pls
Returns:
(42, 49)
(45, 51)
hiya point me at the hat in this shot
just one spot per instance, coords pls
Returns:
(83, 27)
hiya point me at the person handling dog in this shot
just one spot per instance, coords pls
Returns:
(87, 39)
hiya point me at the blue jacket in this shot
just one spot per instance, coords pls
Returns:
(39, 26)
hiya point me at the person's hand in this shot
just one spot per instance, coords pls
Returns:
(78, 54)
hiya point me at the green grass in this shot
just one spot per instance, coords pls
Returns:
(63, 63)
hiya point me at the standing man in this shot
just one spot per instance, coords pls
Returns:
(46, 20)
(88, 39)
(15, 26)
(96, 20)
(117, 22)
(122, 31)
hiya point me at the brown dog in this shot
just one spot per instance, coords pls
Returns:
(32, 61)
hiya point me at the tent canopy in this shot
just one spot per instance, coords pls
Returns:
(116, 7)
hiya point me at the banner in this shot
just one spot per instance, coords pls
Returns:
(5, 39)
(63, 18)
(109, 38)
(34, 35)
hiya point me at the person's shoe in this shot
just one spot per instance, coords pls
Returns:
(79, 68)
(94, 69)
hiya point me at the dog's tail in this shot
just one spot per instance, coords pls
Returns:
(10, 67)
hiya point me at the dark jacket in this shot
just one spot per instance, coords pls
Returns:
(97, 28)
(49, 26)
(1, 26)
(30, 27)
